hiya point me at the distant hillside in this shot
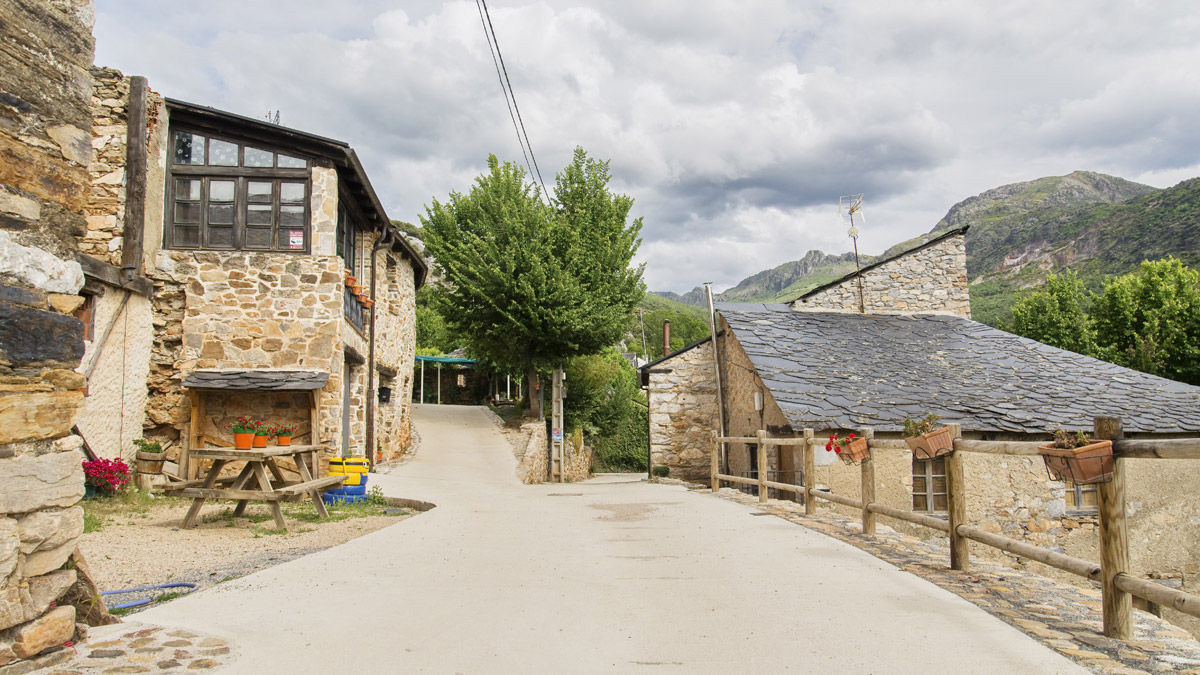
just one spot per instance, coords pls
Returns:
(781, 284)
(1094, 224)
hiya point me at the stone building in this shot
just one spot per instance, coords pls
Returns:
(45, 149)
(785, 368)
(251, 235)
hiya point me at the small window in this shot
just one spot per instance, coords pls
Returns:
(462, 380)
(1082, 499)
(929, 485)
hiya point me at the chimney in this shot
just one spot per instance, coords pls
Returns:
(666, 336)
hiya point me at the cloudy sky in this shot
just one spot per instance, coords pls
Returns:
(734, 125)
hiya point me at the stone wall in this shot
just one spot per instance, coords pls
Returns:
(395, 315)
(533, 465)
(45, 149)
(930, 278)
(683, 412)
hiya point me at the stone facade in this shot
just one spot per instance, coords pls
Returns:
(930, 278)
(247, 310)
(45, 151)
(683, 412)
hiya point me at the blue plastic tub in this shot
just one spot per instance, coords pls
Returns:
(331, 498)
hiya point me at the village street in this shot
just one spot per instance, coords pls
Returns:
(609, 575)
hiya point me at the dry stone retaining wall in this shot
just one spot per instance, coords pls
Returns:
(45, 150)
(931, 278)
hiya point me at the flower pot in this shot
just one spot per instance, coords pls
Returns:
(260, 440)
(150, 462)
(1090, 464)
(936, 443)
(350, 280)
(243, 440)
(917, 445)
(855, 451)
(283, 440)
(368, 303)
(89, 491)
(356, 289)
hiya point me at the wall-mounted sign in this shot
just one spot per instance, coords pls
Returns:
(295, 238)
(556, 435)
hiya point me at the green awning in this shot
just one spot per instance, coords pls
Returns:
(444, 359)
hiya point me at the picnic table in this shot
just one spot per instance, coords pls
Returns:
(259, 463)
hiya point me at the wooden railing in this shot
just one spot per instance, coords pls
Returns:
(1112, 571)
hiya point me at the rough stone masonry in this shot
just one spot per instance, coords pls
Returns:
(45, 150)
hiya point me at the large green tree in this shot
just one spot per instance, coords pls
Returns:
(1056, 315)
(1150, 320)
(530, 285)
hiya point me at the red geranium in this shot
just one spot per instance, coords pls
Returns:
(108, 476)
(836, 444)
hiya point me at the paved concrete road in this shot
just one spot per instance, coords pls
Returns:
(610, 575)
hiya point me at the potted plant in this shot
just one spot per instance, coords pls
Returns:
(926, 439)
(105, 476)
(350, 280)
(1075, 457)
(243, 432)
(368, 303)
(284, 433)
(150, 456)
(261, 434)
(850, 450)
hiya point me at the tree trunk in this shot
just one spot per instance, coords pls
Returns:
(533, 392)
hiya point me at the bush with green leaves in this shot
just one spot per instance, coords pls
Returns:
(606, 403)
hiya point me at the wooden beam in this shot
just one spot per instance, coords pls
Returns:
(1175, 448)
(762, 466)
(135, 172)
(1114, 539)
(113, 276)
(998, 447)
(910, 517)
(836, 499)
(1157, 593)
(1083, 568)
(956, 496)
(868, 485)
(810, 473)
(714, 469)
(738, 479)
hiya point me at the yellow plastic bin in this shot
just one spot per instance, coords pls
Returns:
(354, 468)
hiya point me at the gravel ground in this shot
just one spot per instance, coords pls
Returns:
(140, 549)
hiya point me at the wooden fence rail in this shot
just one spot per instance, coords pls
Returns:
(1112, 571)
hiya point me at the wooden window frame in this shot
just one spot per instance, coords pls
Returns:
(926, 472)
(1079, 508)
(241, 176)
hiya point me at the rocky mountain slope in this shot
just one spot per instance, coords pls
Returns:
(1095, 224)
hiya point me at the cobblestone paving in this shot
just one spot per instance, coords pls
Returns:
(140, 648)
(1064, 617)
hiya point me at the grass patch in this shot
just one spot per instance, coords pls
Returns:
(92, 522)
(511, 415)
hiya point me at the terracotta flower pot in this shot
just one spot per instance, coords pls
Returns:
(283, 440)
(243, 440)
(150, 462)
(855, 451)
(356, 288)
(260, 440)
(936, 443)
(1090, 464)
(368, 303)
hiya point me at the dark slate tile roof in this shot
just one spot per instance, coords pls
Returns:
(257, 379)
(841, 370)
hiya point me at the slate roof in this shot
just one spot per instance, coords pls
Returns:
(843, 370)
(257, 379)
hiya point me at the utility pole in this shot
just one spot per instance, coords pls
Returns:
(557, 464)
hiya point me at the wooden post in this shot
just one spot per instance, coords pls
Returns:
(868, 485)
(713, 468)
(956, 497)
(135, 186)
(1114, 540)
(810, 469)
(762, 466)
(314, 435)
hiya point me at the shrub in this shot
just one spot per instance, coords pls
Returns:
(661, 471)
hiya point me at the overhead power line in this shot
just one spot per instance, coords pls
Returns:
(510, 97)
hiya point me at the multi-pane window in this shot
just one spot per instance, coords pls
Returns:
(1082, 499)
(231, 195)
(929, 485)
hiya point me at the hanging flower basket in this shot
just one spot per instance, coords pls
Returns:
(855, 451)
(1087, 464)
(925, 441)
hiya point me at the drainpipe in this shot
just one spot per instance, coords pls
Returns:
(712, 324)
(385, 240)
(666, 337)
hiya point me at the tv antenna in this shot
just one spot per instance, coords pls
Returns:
(848, 207)
(273, 116)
